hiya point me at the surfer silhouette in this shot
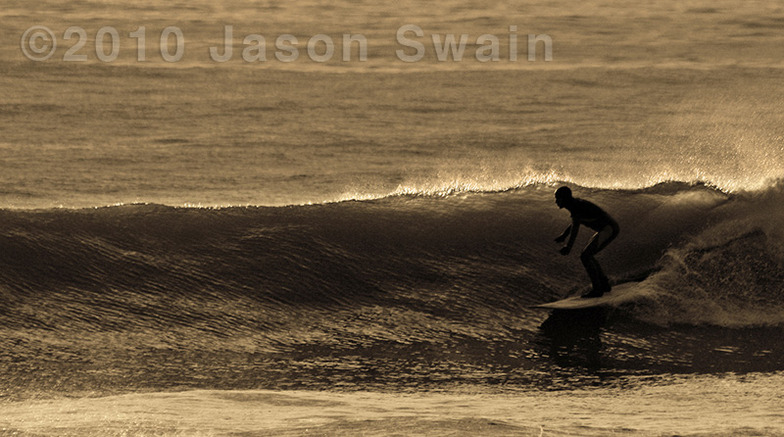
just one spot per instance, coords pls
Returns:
(590, 215)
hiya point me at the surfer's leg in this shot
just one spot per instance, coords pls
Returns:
(606, 236)
(600, 240)
(594, 270)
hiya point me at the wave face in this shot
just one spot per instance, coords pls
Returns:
(403, 266)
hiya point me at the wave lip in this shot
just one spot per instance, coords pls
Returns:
(661, 184)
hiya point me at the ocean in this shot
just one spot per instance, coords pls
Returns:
(326, 246)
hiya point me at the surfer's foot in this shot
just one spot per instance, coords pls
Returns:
(592, 293)
(605, 288)
(598, 292)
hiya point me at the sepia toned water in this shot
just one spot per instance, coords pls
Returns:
(353, 246)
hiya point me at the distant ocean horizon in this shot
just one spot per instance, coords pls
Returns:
(602, 113)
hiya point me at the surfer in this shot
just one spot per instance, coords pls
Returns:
(590, 215)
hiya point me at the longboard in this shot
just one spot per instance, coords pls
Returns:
(620, 294)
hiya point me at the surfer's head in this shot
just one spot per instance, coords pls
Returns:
(563, 196)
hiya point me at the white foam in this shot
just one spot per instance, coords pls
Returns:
(737, 405)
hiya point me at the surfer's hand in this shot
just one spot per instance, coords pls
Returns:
(565, 250)
(560, 238)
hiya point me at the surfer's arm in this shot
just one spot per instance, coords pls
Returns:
(562, 237)
(573, 236)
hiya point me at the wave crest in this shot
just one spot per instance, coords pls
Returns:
(731, 274)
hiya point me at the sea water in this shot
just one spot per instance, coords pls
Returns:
(352, 247)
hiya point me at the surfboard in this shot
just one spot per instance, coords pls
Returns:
(620, 294)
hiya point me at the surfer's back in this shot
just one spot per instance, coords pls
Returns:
(589, 214)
